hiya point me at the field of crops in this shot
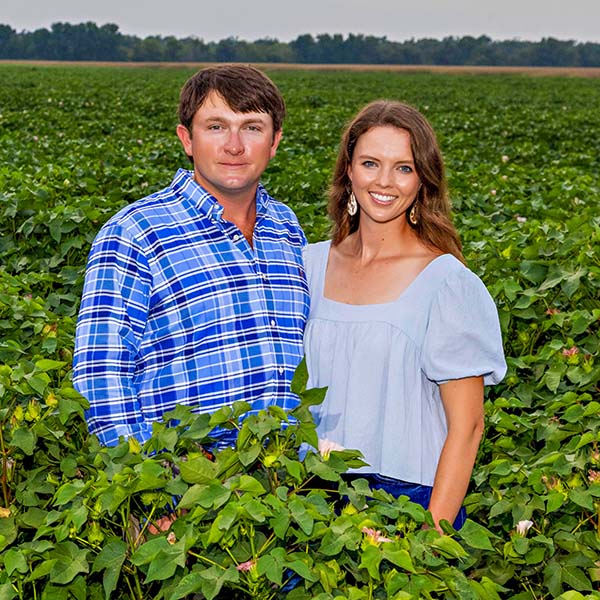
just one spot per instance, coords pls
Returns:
(523, 159)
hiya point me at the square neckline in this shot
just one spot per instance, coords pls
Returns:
(373, 304)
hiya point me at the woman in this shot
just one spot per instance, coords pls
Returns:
(400, 331)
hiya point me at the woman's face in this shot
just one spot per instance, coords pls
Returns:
(383, 174)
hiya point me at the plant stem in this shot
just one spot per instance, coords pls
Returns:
(4, 455)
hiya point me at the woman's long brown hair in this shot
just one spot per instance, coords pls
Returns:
(434, 225)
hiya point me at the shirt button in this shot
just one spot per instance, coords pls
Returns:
(264, 276)
(273, 323)
(280, 370)
(236, 237)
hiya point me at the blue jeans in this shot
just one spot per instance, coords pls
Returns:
(417, 493)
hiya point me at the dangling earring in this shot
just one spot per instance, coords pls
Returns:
(412, 215)
(352, 206)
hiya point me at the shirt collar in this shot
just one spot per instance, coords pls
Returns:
(185, 184)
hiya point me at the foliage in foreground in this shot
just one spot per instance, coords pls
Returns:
(258, 521)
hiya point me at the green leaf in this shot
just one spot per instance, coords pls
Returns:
(164, 565)
(321, 469)
(552, 377)
(223, 521)
(301, 516)
(587, 438)
(189, 584)
(14, 560)
(553, 578)
(167, 439)
(49, 365)
(271, 565)
(34, 517)
(68, 492)
(476, 535)
(39, 382)
(110, 560)
(582, 498)
(300, 378)
(43, 569)
(24, 439)
(577, 579)
(370, 559)
(520, 544)
(449, 547)
(256, 510)
(554, 277)
(313, 397)
(535, 555)
(302, 569)
(247, 483)
(533, 271)
(250, 454)
(400, 558)
(572, 282)
(198, 470)
(151, 475)
(293, 467)
(192, 495)
(70, 561)
(7, 591)
(215, 578)
(199, 429)
(571, 595)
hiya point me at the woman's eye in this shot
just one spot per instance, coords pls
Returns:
(405, 169)
(368, 163)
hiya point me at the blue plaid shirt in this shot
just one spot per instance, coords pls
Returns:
(178, 308)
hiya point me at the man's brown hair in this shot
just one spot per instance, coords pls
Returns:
(244, 88)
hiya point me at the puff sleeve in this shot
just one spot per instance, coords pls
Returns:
(463, 337)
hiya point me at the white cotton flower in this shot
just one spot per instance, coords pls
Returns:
(326, 446)
(524, 526)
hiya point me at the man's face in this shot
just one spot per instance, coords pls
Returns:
(230, 149)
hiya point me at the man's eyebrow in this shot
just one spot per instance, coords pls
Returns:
(249, 119)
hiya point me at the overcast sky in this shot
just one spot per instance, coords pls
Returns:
(253, 19)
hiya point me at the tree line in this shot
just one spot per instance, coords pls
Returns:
(88, 41)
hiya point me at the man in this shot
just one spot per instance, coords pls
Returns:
(196, 295)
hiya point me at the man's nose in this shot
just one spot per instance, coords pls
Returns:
(234, 144)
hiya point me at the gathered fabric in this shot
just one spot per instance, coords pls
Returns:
(383, 363)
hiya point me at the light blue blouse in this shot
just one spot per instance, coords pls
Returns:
(382, 363)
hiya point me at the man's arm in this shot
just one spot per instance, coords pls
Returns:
(111, 322)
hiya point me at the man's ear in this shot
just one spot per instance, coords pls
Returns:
(276, 139)
(185, 137)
